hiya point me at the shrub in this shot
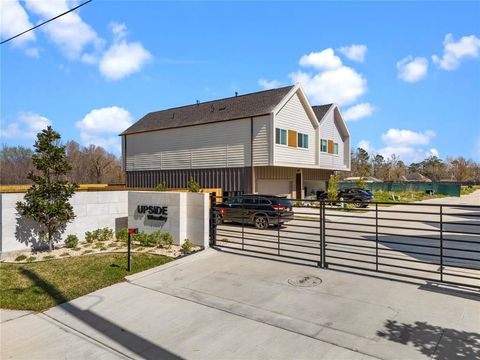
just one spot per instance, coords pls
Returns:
(187, 246)
(71, 241)
(89, 237)
(122, 234)
(161, 187)
(193, 186)
(142, 237)
(156, 238)
(332, 190)
(20, 258)
(101, 235)
(31, 258)
(167, 240)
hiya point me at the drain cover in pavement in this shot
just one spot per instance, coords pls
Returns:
(304, 280)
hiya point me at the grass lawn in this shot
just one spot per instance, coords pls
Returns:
(39, 286)
(404, 196)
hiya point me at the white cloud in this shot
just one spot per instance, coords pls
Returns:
(122, 58)
(323, 60)
(406, 144)
(453, 52)
(412, 69)
(354, 52)
(26, 128)
(407, 137)
(267, 85)
(342, 85)
(358, 111)
(102, 126)
(14, 20)
(69, 32)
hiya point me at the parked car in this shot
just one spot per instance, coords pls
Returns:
(360, 197)
(259, 210)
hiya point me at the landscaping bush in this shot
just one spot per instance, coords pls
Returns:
(187, 246)
(31, 258)
(167, 240)
(71, 241)
(332, 190)
(101, 235)
(156, 238)
(161, 187)
(142, 237)
(20, 258)
(193, 186)
(122, 235)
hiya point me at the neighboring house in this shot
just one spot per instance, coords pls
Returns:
(367, 179)
(416, 177)
(271, 142)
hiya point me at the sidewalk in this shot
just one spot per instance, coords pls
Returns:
(216, 305)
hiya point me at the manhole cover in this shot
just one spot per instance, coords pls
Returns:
(304, 280)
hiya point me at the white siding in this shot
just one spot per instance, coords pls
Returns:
(293, 116)
(329, 130)
(217, 145)
(262, 133)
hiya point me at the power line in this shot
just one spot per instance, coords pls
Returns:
(43, 23)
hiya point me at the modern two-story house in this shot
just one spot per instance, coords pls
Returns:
(270, 142)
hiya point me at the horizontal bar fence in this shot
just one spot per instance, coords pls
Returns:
(423, 241)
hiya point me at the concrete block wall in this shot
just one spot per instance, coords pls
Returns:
(96, 209)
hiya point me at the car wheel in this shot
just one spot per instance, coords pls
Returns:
(261, 222)
(358, 203)
(218, 219)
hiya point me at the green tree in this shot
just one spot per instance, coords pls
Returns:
(47, 201)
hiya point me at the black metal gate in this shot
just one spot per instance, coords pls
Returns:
(426, 241)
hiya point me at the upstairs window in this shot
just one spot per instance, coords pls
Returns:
(324, 146)
(335, 148)
(280, 136)
(302, 141)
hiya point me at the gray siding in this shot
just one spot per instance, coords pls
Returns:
(217, 145)
(329, 130)
(294, 117)
(262, 133)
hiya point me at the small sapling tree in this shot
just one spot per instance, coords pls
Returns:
(47, 200)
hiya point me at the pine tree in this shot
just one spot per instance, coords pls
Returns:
(47, 200)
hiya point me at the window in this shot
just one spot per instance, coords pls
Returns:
(324, 146)
(302, 140)
(335, 148)
(280, 136)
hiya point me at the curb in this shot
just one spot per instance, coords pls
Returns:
(183, 260)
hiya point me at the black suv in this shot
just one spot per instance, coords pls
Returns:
(359, 197)
(259, 210)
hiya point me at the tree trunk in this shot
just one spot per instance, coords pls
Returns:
(50, 242)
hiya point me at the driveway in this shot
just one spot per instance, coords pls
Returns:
(216, 305)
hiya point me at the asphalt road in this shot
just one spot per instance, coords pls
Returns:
(409, 238)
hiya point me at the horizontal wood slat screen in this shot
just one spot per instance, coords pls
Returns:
(292, 138)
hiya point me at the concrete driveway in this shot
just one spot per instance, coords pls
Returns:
(216, 305)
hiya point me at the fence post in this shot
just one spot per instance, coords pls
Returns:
(324, 238)
(441, 242)
(320, 263)
(376, 236)
(213, 223)
(243, 226)
(278, 231)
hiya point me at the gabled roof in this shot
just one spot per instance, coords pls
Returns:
(321, 110)
(237, 107)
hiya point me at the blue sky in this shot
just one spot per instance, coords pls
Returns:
(406, 75)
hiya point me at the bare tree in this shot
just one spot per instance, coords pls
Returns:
(15, 164)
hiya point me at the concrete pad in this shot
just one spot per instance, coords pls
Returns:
(7, 315)
(215, 305)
